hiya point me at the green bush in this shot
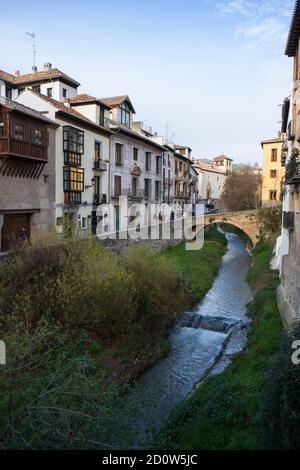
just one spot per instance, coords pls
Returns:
(76, 284)
(55, 396)
(160, 288)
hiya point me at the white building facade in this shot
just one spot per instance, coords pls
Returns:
(81, 163)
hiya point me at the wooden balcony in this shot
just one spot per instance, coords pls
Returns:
(11, 147)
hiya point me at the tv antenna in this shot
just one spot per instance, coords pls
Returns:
(33, 37)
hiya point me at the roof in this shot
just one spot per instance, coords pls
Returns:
(183, 157)
(222, 157)
(114, 101)
(138, 135)
(294, 32)
(44, 75)
(272, 141)
(7, 77)
(86, 99)
(202, 166)
(24, 110)
(178, 147)
(68, 110)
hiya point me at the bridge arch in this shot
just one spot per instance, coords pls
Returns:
(246, 221)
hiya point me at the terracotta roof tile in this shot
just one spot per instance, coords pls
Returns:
(44, 75)
(6, 76)
(85, 98)
(117, 100)
(200, 165)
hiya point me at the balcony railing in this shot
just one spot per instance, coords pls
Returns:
(100, 165)
(291, 131)
(21, 149)
(100, 199)
(133, 194)
(180, 194)
(292, 172)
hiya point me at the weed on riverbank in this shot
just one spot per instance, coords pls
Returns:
(200, 267)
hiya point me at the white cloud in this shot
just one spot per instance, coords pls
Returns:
(258, 22)
(234, 6)
(269, 32)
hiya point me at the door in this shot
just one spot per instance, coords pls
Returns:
(16, 228)
(69, 225)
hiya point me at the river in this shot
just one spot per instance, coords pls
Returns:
(201, 344)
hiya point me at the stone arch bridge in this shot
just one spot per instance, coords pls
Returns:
(249, 221)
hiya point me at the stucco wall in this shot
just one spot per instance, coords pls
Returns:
(29, 194)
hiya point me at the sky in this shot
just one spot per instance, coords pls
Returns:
(209, 73)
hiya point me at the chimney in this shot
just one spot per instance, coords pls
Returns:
(17, 73)
(34, 69)
(47, 66)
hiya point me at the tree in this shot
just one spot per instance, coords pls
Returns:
(241, 191)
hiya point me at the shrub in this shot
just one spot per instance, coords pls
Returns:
(54, 396)
(160, 288)
(76, 284)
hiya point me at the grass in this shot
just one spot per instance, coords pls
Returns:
(225, 412)
(200, 267)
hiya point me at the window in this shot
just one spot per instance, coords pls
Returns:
(2, 129)
(49, 92)
(19, 132)
(73, 144)
(73, 179)
(124, 114)
(157, 189)
(8, 92)
(83, 222)
(96, 189)
(273, 195)
(158, 165)
(147, 188)
(134, 186)
(273, 173)
(148, 161)
(98, 151)
(180, 166)
(135, 154)
(38, 136)
(36, 88)
(101, 117)
(117, 186)
(274, 155)
(118, 156)
(64, 92)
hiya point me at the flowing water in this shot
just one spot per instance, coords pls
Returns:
(202, 343)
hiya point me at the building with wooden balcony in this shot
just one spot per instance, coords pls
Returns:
(27, 173)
